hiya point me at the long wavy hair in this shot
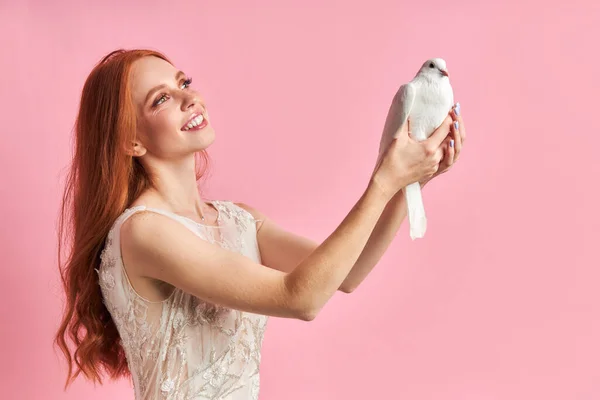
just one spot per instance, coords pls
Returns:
(102, 182)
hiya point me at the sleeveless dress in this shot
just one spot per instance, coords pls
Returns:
(183, 348)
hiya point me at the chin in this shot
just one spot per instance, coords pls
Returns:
(204, 139)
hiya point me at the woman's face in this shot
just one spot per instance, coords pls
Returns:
(165, 104)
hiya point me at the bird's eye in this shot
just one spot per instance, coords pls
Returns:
(432, 65)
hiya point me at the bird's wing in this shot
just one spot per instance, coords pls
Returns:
(397, 115)
(405, 98)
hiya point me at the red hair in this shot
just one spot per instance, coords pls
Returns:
(103, 181)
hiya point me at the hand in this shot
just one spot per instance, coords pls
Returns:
(452, 144)
(406, 160)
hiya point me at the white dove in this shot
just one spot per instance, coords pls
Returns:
(426, 100)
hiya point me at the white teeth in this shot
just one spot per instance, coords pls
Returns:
(193, 123)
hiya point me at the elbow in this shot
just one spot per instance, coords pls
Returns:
(302, 303)
(305, 309)
(347, 287)
(307, 314)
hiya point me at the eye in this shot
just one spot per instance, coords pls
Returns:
(432, 65)
(186, 83)
(158, 101)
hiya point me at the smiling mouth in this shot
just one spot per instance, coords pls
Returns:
(197, 122)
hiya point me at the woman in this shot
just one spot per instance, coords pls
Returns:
(175, 290)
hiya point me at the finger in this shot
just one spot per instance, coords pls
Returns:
(446, 143)
(451, 156)
(457, 116)
(446, 147)
(439, 155)
(448, 159)
(438, 136)
(404, 129)
(438, 159)
(408, 130)
(457, 140)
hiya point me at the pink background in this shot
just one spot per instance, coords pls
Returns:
(499, 301)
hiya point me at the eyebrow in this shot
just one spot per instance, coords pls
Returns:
(157, 88)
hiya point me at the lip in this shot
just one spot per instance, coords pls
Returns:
(194, 115)
(198, 127)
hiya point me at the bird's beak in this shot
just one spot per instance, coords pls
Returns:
(445, 73)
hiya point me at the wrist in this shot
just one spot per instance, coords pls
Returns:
(398, 197)
(378, 190)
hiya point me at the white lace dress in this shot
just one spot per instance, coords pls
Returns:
(182, 347)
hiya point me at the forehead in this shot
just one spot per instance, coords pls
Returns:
(148, 72)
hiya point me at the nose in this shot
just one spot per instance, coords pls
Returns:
(190, 101)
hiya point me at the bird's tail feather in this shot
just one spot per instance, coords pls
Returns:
(416, 210)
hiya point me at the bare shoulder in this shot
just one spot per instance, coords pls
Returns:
(143, 233)
(142, 239)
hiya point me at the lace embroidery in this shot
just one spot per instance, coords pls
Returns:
(242, 219)
(182, 347)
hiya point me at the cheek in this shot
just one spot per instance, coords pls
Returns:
(165, 122)
(162, 129)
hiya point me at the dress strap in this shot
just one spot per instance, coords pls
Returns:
(189, 223)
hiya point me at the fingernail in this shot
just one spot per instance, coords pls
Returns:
(457, 108)
(451, 143)
(456, 125)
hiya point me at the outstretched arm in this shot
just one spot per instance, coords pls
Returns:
(157, 248)
(382, 236)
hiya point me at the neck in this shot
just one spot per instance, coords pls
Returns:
(429, 78)
(175, 183)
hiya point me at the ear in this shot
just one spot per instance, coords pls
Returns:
(136, 149)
